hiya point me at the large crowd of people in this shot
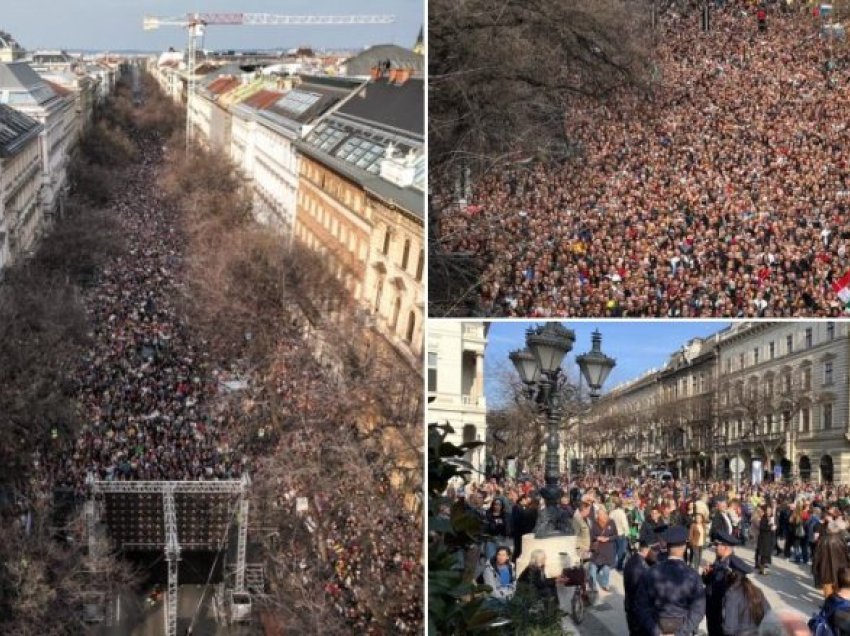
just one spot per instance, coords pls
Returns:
(156, 404)
(633, 524)
(722, 190)
(144, 386)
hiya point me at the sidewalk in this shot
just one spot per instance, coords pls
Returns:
(787, 586)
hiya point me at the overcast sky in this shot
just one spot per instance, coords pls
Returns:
(117, 24)
(636, 346)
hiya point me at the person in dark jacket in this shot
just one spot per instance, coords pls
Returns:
(523, 521)
(671, 599)
(603, 535)
(495, 527)
(535, 577)
(830, 553)
(648, 528)
(720, 520)
(637, 565)
(766, 539)
(835, 611)
(715, 578)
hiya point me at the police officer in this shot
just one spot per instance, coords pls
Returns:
(636, 566)
(715, 579)
(671, 599)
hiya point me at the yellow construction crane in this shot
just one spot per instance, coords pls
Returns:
(195, 23)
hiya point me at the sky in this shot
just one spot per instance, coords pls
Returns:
(637, 346)
(117, 24)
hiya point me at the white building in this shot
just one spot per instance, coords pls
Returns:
(25, 91)
(20, 181)
(265, 126)
(456, 381)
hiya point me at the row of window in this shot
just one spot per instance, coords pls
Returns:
(772, 349)
(771, 425)
(342, 231)
(338, 188)
(784, 382)
(405, 253)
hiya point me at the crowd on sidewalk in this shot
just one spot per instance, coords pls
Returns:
(657, 532)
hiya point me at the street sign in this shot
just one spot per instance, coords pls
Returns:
(758, 472)
(736, 465)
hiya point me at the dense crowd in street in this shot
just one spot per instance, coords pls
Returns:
(145, 385)
(155, 404)
(640, 526)
(722, 190)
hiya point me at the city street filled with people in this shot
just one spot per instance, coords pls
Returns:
(674, 556)
(720, 190)
(156, 403)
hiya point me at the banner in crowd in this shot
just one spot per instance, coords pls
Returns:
(842, 289)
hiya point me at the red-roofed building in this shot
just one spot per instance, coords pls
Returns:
(263, 99)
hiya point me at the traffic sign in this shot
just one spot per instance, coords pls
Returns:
(736, 465)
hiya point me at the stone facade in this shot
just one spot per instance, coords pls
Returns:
(455, 369)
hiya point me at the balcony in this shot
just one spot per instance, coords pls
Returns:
(473, 331)
(458, 401)
(474, 401)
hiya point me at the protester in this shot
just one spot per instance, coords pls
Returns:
(720, 190)
(835, 612)
(830, 554)
(500, 575)
(744, 605)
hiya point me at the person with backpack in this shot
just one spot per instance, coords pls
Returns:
(834, 616)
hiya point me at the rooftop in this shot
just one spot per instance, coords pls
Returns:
(381, 54)
(376, 139)
(26, 87)
(15, 130)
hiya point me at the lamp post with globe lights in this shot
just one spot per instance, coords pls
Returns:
(539, 368)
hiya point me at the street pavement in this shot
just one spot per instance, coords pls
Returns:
(786, 585)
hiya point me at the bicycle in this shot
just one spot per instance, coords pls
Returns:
(584, 594)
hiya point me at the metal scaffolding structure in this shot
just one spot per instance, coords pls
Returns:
(170, 539)
(241, 546)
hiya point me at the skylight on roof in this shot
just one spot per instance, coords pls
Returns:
(297, 102)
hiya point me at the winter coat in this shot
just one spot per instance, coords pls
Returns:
(767, 539)
(737, 618)
(830, 554)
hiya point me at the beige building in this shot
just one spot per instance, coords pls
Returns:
(20, 181)
(776, 395)
(455, 369)
(783, 397)
(361, 199)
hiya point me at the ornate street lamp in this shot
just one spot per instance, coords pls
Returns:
(595, 366)
(539, 367)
